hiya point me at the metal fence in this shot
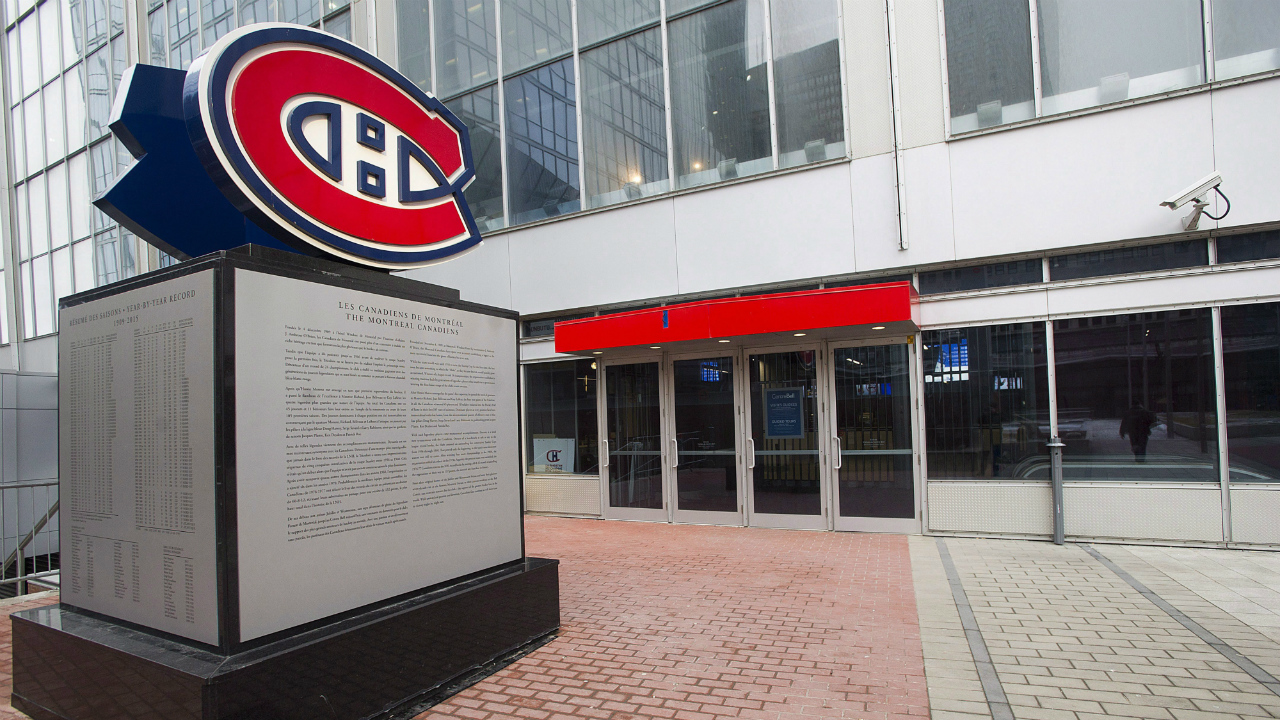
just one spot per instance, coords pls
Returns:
(28, 534)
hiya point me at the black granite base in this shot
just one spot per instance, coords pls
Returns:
(72, 666)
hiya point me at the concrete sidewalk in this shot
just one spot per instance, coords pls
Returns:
(694, 623)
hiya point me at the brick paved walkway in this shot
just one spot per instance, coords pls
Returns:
(693, 622)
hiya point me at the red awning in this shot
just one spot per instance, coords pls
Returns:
(888, 306)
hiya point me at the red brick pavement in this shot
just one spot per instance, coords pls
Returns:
(694, 623)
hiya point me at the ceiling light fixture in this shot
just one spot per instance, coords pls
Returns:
(878, 327)
(724, 341)
(798, 334)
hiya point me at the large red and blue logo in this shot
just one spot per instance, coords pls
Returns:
(314, 141)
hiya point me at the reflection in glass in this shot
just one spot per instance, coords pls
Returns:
(339, 25)
(989, 63)
(625, 123)
(302, 12)
(634, 435)
(466, 44)
(1246, 37)
(1136, 397)
(976, 277)
(560, 417)
(720, 94)
(600, 19)
(95, 23)
(1251, 371)
(806, 78)
(479, 111)
(256, 11)
(786, 478)
(706, 474)
(534, 31)
(873, 426)
(184, 41)
(1146, 258)
(157, 43)
(986, 402)
(542, 142)
(75, 107)
(219, 19)
(1094, 52)
(413, 39)
(1249, 246)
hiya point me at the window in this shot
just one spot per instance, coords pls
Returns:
(986, 397)
(1094, 52)
(479, 112)
(989, 63)
(535, 31)
(977, 277)
(720, 94)
(624, 113)
(1246, 37)
(546, 327)
(602, 19)
(1251, 372)
(1249, 246)
(466, 44)
(806, 72)
(867, 281)
(413, 36)
(561, 433)
(542, 142)
(1149, 258)
(1136, 397)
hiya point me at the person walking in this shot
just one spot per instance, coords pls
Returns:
(1137, 424)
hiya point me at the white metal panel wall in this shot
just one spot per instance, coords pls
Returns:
(792, 226)
(1246, 147)
(1091, 179)
(562, 495)
(482, 275)
(996, 508)
(1255, 514)
(875, 208)
(929, 222)
(1142, 512)
(867, 73)
(919, 71)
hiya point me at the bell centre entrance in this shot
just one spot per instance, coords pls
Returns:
(808, 425)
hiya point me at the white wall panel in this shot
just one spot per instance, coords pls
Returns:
(1091, 179)
(542, 350)
(1143, 512)
(1013, 306)
(609, 257)
(867, 72)
(875, 219)
(919, 71)
(991, 508)
(482, 275)
(1247, 148)
(1253, 514)
(793, 226)
(928, 182)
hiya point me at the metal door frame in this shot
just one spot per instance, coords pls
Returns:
(704, 517)
(909, 526)
(821, 521)
(607, 511)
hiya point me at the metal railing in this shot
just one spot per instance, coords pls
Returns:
(28, 532)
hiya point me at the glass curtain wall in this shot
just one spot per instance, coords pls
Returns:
(986, 399)
(561, 432)
(693, 94)
(1094, 52)
(1136, 397)
(1251, 371)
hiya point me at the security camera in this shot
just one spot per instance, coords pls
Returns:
(1197, 193)
(1199, 190)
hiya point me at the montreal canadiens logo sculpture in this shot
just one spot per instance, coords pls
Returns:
(316, 142)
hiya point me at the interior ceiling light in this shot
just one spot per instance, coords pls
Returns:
(723, 341)
(597, 352)
(799, 334)
(655, 347)
(878, 327)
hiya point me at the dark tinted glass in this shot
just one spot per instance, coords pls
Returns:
(707, 473)
(989, 62)
(1136, 397)
(868, 281)
(634, 422)
(545, 327)
(1019, 272)
(873, 429)
(479, 110)
(1250, 246)
(986, 399)
(560, 417)
(1188, 253)
(1251, 368)
(542, 142)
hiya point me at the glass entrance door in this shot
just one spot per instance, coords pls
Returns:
(633, 439)
(875, 464)
(784, 445)
(704, 440)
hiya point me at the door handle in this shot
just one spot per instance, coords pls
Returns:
(604, 456)
(836, 452)
(675, 453)
(751, 457)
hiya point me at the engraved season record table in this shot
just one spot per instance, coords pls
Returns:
(290, 489)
